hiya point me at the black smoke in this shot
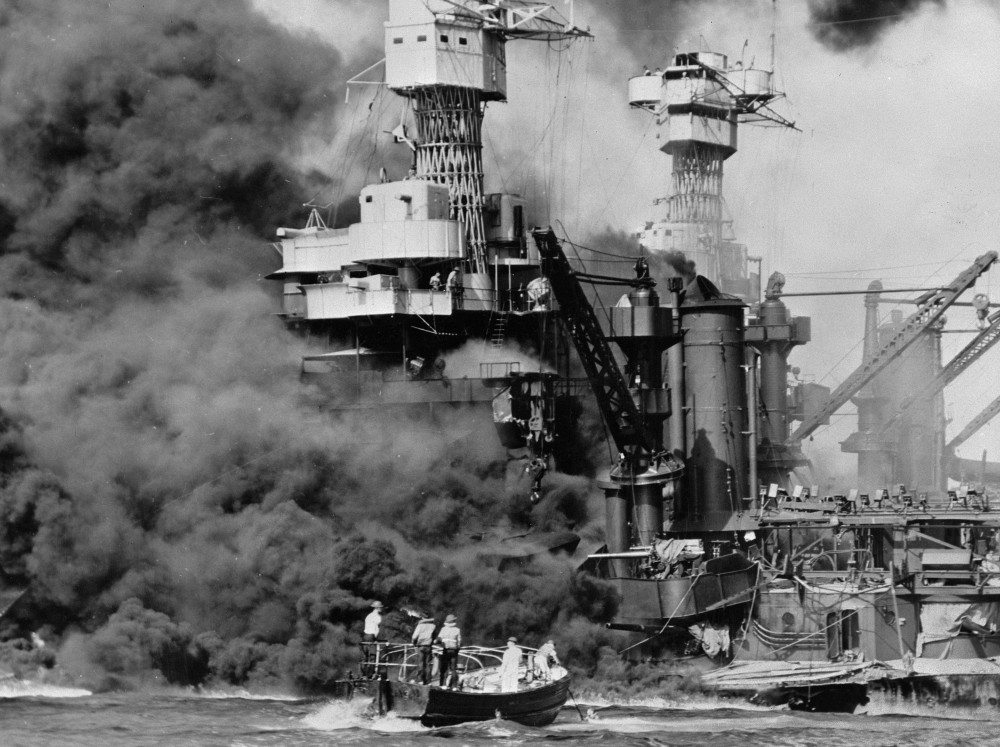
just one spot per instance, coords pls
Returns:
(843, 25)
(172, 502)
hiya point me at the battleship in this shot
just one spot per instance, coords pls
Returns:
(725, 551)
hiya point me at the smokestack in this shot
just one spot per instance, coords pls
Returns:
(774, 333)
(715, 479)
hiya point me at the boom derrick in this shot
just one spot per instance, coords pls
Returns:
(619, 410)
(930, 309)
(972, 352)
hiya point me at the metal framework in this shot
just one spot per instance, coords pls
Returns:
(972, 352)
(612, 393)
(450, 151)
(930, 308)
(989, 412)
(696, 181)
(519, 19)
(449, 146)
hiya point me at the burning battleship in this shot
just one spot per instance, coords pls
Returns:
(717, 539)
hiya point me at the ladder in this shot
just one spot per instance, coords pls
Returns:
(499, 329)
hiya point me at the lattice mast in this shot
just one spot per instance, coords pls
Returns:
(449, 58)
(699, 101)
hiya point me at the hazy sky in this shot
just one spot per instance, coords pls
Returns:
(889, 177)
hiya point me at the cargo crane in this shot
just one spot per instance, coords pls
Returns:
(636, 443)
(972, 352)
(930, 308)
(985, 416)
(645, 472)
(958, 468)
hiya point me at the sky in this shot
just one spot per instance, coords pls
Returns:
(888, 175)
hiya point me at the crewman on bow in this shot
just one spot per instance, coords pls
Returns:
(369, 639)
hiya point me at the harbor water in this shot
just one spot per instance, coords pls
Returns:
(37, 717)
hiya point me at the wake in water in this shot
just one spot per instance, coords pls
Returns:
(353, 714)
(225, 693)
(17, 688)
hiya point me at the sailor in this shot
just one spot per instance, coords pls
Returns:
(545, 657)
(536, 468)
(423, 639)
(436, 281)
(369, 639)
(451, 284)
(510, 666)
(450, 638)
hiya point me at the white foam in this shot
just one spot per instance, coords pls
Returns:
(337, 714)
(654, 722)
(693, 702)
(224, 693)
(15, 688)
(353, 714)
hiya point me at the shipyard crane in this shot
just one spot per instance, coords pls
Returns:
(986, 415)
(930, 308)
(972, 352)
(620, 413)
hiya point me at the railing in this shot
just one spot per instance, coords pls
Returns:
(405, 658)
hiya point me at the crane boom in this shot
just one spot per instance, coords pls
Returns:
(613, 396)
(972, 352)
(988, 413)
(930, 308)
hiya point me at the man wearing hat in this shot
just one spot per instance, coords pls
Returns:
(450, 638)
(545, 657)
(510, 666)
(370, 636)
(423, 638)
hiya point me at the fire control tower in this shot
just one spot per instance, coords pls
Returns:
(449, 59)
(698, 102)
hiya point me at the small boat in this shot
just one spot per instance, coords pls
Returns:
(476, 694)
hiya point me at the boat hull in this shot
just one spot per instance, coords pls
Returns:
(438, 706)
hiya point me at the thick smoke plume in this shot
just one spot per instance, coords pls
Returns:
(849, 24)
(175, 503)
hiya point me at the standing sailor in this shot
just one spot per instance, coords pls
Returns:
(453, 286)
(369, 640)
(450, 638)
(510, 666)
(423, 639)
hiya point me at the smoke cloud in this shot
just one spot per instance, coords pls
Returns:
(177, 505)
(847, 24)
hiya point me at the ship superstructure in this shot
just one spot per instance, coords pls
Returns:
(699, 101)
(434, 262)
